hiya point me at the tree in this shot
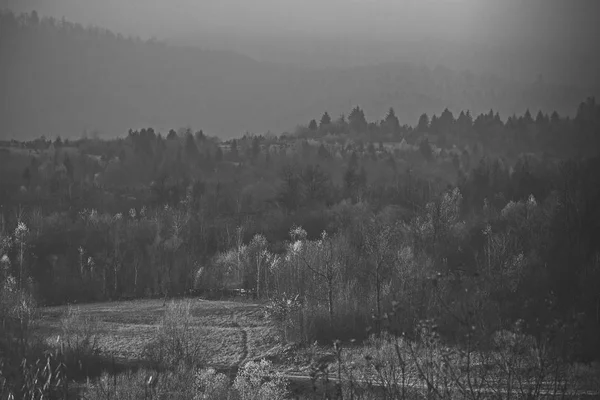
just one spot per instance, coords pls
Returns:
(541, 119)
(191, 149)
(446, 121)
(218, 154)
(378, 242)
(260, 254)
(391, 122)
(290, 189)
(255, 147)
(172, 135)
(234, 149)
(319, 258)
(465, 121)
(314, 184)
(200, 137)
(426, 150)
(527, 117)
(323, 153)
(423, 125)
(357, 120)
(312, 125)
(325, 120)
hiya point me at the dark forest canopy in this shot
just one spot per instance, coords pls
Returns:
(467, 212)
(60, 78)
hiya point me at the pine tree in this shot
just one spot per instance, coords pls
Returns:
(357, 119)
(423, 125)
(392, 124)
(325, 120)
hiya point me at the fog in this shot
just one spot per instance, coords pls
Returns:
(282, 62)
(319, 33)
(540, 22)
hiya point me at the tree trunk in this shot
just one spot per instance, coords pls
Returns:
(330, 299)
(258, 279)
(116, 271)
(378, 294)
(104, 286)
(135, 279)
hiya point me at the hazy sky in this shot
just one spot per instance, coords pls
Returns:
(489, 21)
(516, 39)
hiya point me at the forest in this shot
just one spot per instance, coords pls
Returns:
(153, 215)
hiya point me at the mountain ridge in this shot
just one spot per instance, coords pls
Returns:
(62, 79)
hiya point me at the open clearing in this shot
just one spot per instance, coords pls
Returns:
(230, 332)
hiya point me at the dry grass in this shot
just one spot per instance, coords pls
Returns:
(229, 331)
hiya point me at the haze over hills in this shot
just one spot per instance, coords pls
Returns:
(61, 79)
(514, 39)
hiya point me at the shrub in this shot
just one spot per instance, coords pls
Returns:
(177, 340)
(78, 343)
(143, 384)
(256, 381)
(283, 312)
(210, 385)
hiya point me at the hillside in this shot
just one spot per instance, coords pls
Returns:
(58, 78)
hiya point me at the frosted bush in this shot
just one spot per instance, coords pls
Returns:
(256, 381)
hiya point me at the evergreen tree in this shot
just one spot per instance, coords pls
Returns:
(392, 124)
(541, 119)
(357, 120)
(200, 136)
(172, 135)
(325, 120)
(313, 125)
(527, 117)
(465, 121)
(423, 125)
(446, 120)
(191, 149)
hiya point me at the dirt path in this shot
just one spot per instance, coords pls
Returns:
(244, 343)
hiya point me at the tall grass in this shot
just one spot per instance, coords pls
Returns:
(177, 340)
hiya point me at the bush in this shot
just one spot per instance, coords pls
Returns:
(211, 385)
(256, 381)
(143, 384)
(177, 340)
(78, 344)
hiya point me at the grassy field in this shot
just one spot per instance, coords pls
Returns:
(230, 332)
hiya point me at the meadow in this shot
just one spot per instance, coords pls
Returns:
(225, 336)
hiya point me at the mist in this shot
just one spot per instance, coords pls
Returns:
(514, 39)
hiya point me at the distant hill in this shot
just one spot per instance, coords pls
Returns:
(58, 78)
